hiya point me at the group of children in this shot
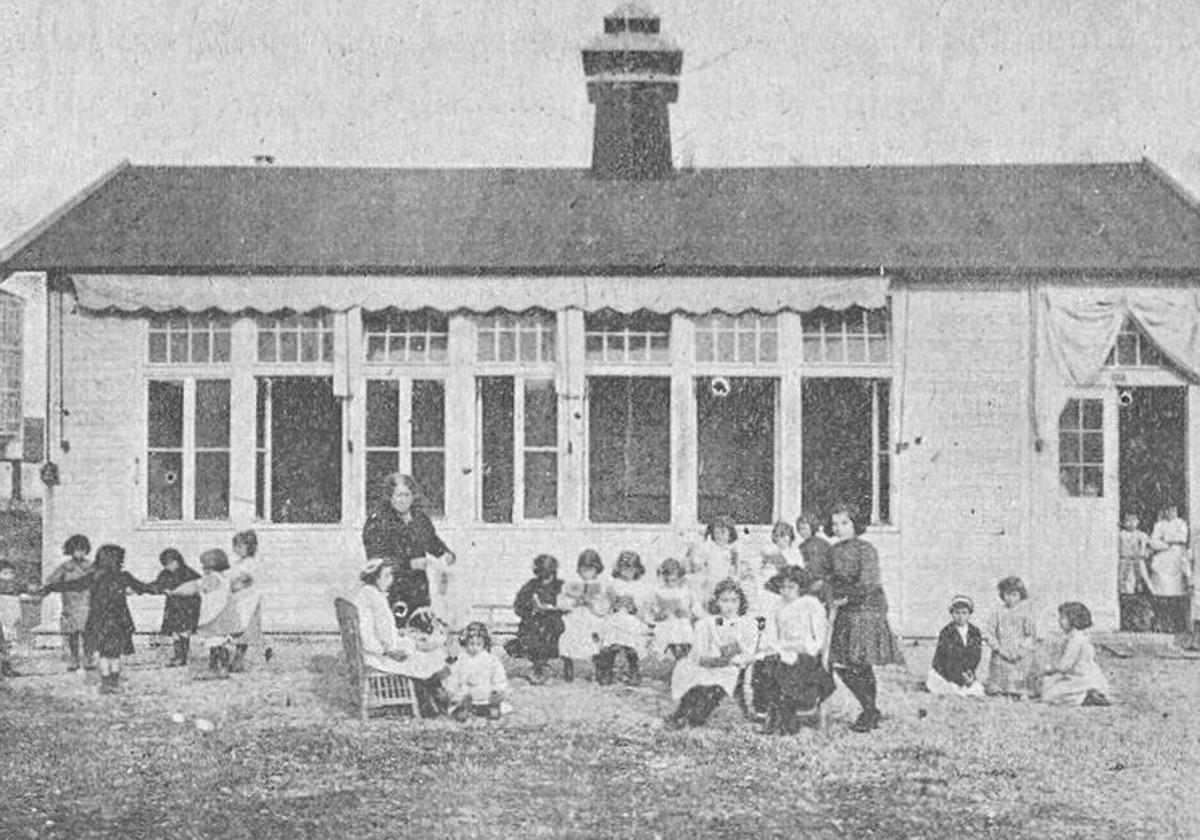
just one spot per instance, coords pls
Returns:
(221, 604)
(1019, 666)
(1154, 574)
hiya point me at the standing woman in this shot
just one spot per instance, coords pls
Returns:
(861, 636)
(400, 532)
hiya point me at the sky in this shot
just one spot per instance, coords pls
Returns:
(86, 85)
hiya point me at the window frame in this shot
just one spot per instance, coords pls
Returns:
(1080, 466)
(404, 376)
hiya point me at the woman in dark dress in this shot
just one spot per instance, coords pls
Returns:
(400, 533)
(109, 629)
(862, 638)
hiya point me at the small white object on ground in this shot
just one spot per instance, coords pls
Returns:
(178, 718)
(205, 725)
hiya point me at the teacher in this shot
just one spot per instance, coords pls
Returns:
(401, 534)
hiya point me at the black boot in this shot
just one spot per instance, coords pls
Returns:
(633, 675)
(709, 698)
(73, 646)
(604, 661)
(238, 663)
(771, 724)
(568, 670)
(177, 658)
(185, 646)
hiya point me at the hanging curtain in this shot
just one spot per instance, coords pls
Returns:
(1082, 326)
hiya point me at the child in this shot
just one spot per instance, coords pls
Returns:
(1011, 634)
(75, 601)
(724, 644)
(672, 608)
(218, 621)
(1132, 576)
(244, 585)
(794, 678)
(180, 613)
(713, 560)
(1170, 573)
(586, 604)
(783, 547)
(959, 649)
(1075, 679)
(541, 622)
(109, 628)
(814, 549)
(477, 684)
(624, 630)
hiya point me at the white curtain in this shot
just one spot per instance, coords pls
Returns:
(1082, 325)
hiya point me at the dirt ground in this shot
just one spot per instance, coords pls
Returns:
(287, 757)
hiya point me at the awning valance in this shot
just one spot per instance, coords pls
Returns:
(163, 293)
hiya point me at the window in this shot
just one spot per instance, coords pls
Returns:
(740, 339)
(854, 336)
(296, 338)
(639, 338)
(519, 448)
(1134, 349)
(844, 445)
(407, 337)
(505, 337)
(187, 449)
(735, 448)
(188, 339)
(629, 448)
(1081, 447)
(10, 366)
(298, 442)
(406, 432)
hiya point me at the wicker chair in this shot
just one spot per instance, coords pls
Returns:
(376, 689)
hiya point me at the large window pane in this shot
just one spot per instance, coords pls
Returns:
(541, 413)
(212, 485)
(629, 449)
(429, 471)
(306, 449)
(541, 485)
(383, 413)
(379, 466)
(843, 445)
(497, 450)
(428, 413)
(165, 486)
(212, 414)
(736, 448)
(165, 415)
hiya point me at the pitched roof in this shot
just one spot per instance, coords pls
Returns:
(1043, 217)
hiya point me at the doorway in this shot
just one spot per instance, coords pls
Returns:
(1153, 465)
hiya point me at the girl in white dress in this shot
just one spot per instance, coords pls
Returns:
(1075, 679)
(724, 644)
(1170, 570)
(671, 609)
(713, 560)
(477, 684)
(625, 631)
(585, 604)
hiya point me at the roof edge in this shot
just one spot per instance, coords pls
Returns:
(1172, 184)
(11, 251)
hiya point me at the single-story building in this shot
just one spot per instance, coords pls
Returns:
(991, 361)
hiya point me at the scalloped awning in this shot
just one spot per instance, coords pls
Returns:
(694, 295)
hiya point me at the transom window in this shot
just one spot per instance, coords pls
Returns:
(505, 337)
(737, 339)
(855, 336)
(296, 338)
(408, 337)
(182, 340)
(1134, 349)
(639, 337)
(1081, 447)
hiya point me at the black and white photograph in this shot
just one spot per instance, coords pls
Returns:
(599, 419)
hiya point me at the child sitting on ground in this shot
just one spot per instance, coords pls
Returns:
(181, 613)
(74, 615)
(541, 622)
(625, 631)
(724, 645)
(1075, 679)
(672, 609)
(585, 601)
(1012, 635)
(959, 649)
(477, 684)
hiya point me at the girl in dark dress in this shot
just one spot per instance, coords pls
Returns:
(399, 532)
(959, 648)
(541, 619)
(109, 630)
(862, 638)
(180, 612)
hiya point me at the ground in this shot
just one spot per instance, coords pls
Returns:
(287, 757)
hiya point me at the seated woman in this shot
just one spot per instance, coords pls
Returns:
(420, 658)
(797, 630)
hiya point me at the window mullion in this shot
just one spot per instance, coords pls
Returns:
(518, 448)
(188, 456)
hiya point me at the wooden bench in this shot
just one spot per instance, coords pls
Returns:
(375, 689)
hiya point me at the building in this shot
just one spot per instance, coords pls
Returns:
(992, 361)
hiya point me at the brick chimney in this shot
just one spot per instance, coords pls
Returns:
(632, 73)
